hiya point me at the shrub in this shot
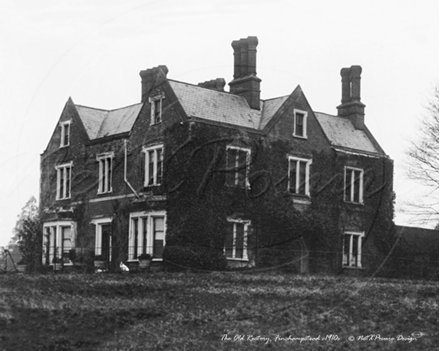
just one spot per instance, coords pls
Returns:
(144, 256)
(189, 257)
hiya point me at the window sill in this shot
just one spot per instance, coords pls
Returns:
(237, 259)
(65, 198)
(105, 192)
(351, 267)
(152, 260)
(64, 146)
(354, 203)
(299, 137)
(301, 199)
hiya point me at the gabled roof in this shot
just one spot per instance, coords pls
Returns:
(215, 105)
(270, 107)
(101, 123)
(341, 133)
(224, 107)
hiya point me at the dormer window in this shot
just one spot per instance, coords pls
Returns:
(156, 109)
(65, 133)
(299, 124)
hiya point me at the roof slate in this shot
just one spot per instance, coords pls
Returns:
(270, 107)
(341, 132)
(221, 107)
(101, 123)
(215, 105)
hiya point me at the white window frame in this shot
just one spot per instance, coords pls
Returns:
(66, 174)
(152, 101)
(247, 224)
(352, 185)
(99, 222)
(105, 162)
(56, 239)
(348, 261)
(236, 170)
(65, 125)
(144, 217)
(305, 114)
(307, 185)
(146, 150)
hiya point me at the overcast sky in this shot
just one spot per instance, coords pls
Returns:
(93, 51)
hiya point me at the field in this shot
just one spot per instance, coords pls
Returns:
(215, 311)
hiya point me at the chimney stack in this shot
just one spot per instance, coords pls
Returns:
(351, 106)
(214, 84)
(246, 83)
(151, 78)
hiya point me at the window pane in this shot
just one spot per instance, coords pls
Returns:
(151, 167)
(159, 224)
(229, 239)
(68, 169)
(231, 166)
(357, 186)
(299, 124)
(136, 238)
(61, 183)
(159, 165)
(346, 249)
(157, 111)
(145, 247)
(242, 166)
(66, 133)
(109, 174)
(239, 240)
(159, 236)
(348, 184)
(292, 176)
(354, 257)
(302, 178)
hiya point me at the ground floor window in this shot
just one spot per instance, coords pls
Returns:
(58, 240)
(352, 249)
(236, 239)
(147, 234)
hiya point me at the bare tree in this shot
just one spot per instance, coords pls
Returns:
(422, 163)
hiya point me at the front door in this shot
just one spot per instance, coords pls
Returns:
(106, 243)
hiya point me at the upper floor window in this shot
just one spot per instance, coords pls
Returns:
(105, 162)
(153, 165)
(65, 133)
(299, 123)
(147, 234)
(64, 176)
(354, 185)
(238, 162)
(156, 109)
(236, 239)
(299, 175)
(352, 250)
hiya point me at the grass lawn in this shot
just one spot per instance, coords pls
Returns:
(215, 311)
